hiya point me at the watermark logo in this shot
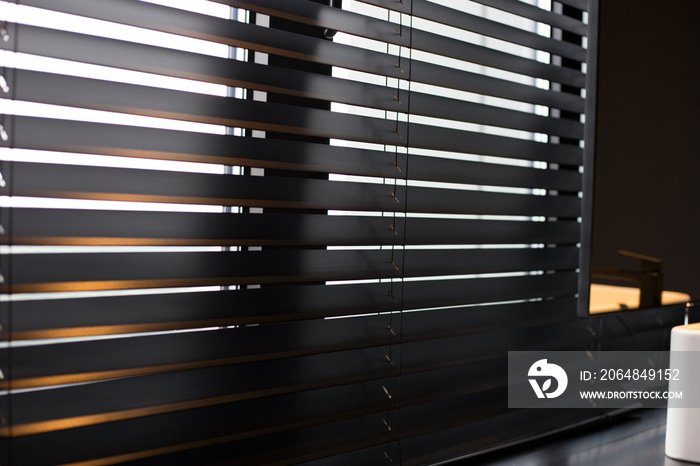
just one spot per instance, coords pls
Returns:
(546, 372)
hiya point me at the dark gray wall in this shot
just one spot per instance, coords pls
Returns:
(647, 177)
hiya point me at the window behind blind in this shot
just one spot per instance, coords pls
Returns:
(277, 231)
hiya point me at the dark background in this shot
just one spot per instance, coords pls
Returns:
(647, 183)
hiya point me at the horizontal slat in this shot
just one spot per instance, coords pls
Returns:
(481, 25)
(431, 137)
(139, 57)
(124, 314)
(95, 227)
(538, 14)
(421, 419)
(134, 397)
(308, 444)
(462, 350)
(83, 182)
(459, 292)
(148, 437)
(454, 382)
(454, 171)
(130, 141)
(451, 201)
(139, 100)
(579, 4)
(417, 263)
(451, 109)
(416, 326)
(93, 271)
(94, 360)
(293, 45)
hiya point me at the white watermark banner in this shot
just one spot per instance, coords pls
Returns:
(603, 379)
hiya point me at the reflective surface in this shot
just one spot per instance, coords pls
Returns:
(634, 439)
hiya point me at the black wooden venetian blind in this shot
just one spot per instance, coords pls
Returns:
(384, 201)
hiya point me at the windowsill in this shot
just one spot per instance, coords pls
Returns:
(608, 298)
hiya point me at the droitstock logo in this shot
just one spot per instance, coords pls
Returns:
(544, 371)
